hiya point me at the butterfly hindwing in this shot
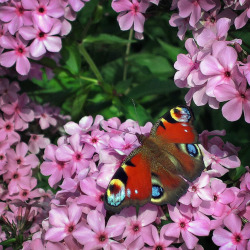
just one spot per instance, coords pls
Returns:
(131, 184)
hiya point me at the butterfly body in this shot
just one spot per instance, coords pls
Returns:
(159, 169)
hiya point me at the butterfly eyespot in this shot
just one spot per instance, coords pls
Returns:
(157, 192)
(192, 150)
(180, 114)
(115, 192)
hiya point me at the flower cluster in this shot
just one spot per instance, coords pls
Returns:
(31, 29)
(215, 70)
(22, 127)
(132, 14)
(82, 164)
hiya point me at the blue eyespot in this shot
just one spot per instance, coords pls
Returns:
(192, 150)
(157, 191)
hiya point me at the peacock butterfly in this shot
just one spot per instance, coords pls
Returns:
(159, 169)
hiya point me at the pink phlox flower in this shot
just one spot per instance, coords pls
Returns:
(188, 73)
(45, 116)
(243, 18)
(219, 161)
(96, 235)
(42, 41)
(193, 9)
(198, 191)
(44, 12)
(20, 110)
(8, 91)
(19, 178)
(207, 37)
(64, 221)
(131, 14)
(20, 159)
(137, 226)
(26, 194)
(221, 67)
(85, 124)
(19, 53)
(37, 142)
(53, 167)
(112, 126)
(222, 196)
(200, 97)
(204, 137)
(238, 97)
(158, 242)
(93, 194)
(109, 162)
(7, 130)
(98, 139)
(236, 238)
(15, 15)
(4, 146)
(187, 228)
(77, 5)
(182, 23)
(77, 155)
(246, 69)
(124, 145)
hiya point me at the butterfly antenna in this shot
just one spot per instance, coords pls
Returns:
(136, 114)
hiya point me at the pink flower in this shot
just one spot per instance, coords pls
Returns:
(77, 5)
(76, 154)
(131, 14)
(221, 197)
(237, 238)
(19, 54)
(51, 166)
(85, 124)
(197, 192)
(18, 179)
(45, 116)
(246, 69)
(98, 139)
(64, 222)
(43, 41)
(44, 12)
(239, 99)
(220, 67)
(93, 194)
(219, 159)
(208, 36)
(36, 142)
(22, 113)
(16, 16)
(138, 225)
(8, 91)
(193, 9)
(7, 130)
(95, 234)
(158, 242)
(242, 19)
(186, 227)
(18, 158)
(123, 146)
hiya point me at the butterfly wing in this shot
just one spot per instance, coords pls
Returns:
(131, 184)
(175, 138)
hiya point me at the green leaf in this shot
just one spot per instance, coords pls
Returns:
(153, 87)
(106, 39)
(171, 50)
(156, 64)
(72, 58)
(236, 173)
(8, 242)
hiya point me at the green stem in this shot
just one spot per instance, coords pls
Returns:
(125, 69)
(89, 79)
(91, 63)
